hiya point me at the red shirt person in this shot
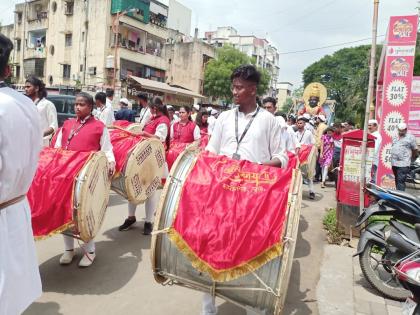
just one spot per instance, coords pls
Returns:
(84, 133)
(185, 130)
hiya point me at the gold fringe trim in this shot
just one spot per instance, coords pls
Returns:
(56, 231)
(224, 275)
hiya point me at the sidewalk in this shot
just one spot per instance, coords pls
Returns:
(342, 289)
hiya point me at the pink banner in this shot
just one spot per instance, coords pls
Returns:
(395, 91)
(414, 118)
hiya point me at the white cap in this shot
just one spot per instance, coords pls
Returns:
(373, 121)
(322, 118)
(307, 116)
(402, 126)
(209, 108)
(213, 112)
(169, 107)
(196, 106)
(124, 101)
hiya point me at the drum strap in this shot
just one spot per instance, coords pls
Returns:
(10, 202)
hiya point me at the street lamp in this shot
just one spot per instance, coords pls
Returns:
(115, 29)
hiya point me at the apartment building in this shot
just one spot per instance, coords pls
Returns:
(265, 53)
(92, 44)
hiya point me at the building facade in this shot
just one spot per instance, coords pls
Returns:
(284, 91)
(265, 54)
(92, 44)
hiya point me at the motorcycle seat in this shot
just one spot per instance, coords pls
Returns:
(407, 231)
(405, 195)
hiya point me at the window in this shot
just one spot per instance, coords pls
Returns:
(83, 36)
(18, 43)
(66, 71)
(19, 17)
(69, 7)
(81, 68)
(17, 72)
(92, 70)
(68, 40)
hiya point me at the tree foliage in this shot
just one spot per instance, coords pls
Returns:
(218, 71)
(345, 74)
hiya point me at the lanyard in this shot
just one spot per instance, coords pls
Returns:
(302, 136)
(74, 131)
(239, 140)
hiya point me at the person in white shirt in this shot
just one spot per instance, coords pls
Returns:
(211, 121)
(373, 127)
(145, 113)
(35, 90)
(172, 116)
(103, 113)
(109, 98)
(83, 107)
(246, 132)
(305, 136)
(20, 144)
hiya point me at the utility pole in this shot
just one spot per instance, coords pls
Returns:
(368, 102)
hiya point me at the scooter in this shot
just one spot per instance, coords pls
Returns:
(376, 256)
(414, 174)
(407, 271)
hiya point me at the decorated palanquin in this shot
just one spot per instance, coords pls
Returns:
(70, 191)
(228, 227)
(139, 166)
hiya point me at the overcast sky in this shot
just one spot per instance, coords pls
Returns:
(290, 25)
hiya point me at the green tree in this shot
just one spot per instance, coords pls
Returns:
(218, 71)
(345, 74)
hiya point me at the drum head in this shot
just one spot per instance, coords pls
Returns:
(144, 170)
(91, 196)
(135, 128)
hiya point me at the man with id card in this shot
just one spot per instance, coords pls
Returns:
(247, 132)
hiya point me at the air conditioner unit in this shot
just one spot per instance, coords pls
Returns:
(75, 77)
(91, 71)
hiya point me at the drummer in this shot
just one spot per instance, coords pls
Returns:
(246, 132)
(84, 133)
(158, 127)
(185, 131)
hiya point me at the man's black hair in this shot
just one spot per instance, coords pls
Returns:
(247, 73)
(270, 99)
(109, 92)
(350, 123)
(6, 46)
(33, 80)
(101, 97)
(142, 96)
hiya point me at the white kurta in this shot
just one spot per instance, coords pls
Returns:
(20, 143)
(48, 116)
(260, 144)
(211, 121)
(106, 115)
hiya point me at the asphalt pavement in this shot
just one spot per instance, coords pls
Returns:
(121, 281)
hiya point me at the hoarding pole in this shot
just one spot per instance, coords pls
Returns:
(368, 102)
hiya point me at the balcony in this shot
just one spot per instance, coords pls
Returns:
(36, 53)
(142, 58)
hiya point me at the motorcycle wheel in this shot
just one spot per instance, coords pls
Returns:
(375, 262)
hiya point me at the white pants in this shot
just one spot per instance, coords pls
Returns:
(69, 244)
(324, 173)
(150, 207)
(311, 185)
(209, 306)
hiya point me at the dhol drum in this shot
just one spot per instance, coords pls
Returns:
(140, 164)
(134, 128)
(70, 191)
(307, 160)
(262, 289)
(175, 149)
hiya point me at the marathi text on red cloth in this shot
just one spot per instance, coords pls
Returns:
(231, 215)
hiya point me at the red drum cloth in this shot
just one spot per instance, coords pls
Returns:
(174, 151)
(293, 160)
(51, 193)
(121, 123)
(231, 215)
(122, 143)
(304, 153)
(204, 140)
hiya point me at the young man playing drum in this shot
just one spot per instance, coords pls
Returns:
(247, 132)
(84, 133)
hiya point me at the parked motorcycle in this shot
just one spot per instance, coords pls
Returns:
(414, 174)
(377, 257)
(407, 271)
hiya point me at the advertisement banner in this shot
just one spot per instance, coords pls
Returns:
(414, 117)
(396, 89)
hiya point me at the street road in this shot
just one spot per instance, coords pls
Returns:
(121, 282)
